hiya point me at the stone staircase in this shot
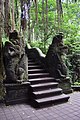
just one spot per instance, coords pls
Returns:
(44, 89)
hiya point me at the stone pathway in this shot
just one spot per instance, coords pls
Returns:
(65, 111)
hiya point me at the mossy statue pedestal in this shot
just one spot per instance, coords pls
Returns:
(65, 84)
(16, 93)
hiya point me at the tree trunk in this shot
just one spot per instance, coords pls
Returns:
(1, 57)
(7, 17)
(16, 14)
(29, 30)
(36, 17)
(13, 18)
(36, 10)
(59, 14)
(43, 20)
(46, 24)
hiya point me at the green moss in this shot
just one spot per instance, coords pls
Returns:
(2, 93)
(77, 83)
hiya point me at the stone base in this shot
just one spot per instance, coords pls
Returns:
(66, 86)
(1, 101)
(76, 87)
(16, 93)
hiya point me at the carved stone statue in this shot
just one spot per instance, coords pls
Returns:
(54, 56)
(15, 59)
(55, 62)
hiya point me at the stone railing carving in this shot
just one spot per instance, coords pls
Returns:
(15, 59)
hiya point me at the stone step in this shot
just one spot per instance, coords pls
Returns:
(30, 60)
(32, 63)
(38, 75)
(44, 86)
(51, 100)
(47, 93)
(34, 67)
(31, 71)
(41, 80)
